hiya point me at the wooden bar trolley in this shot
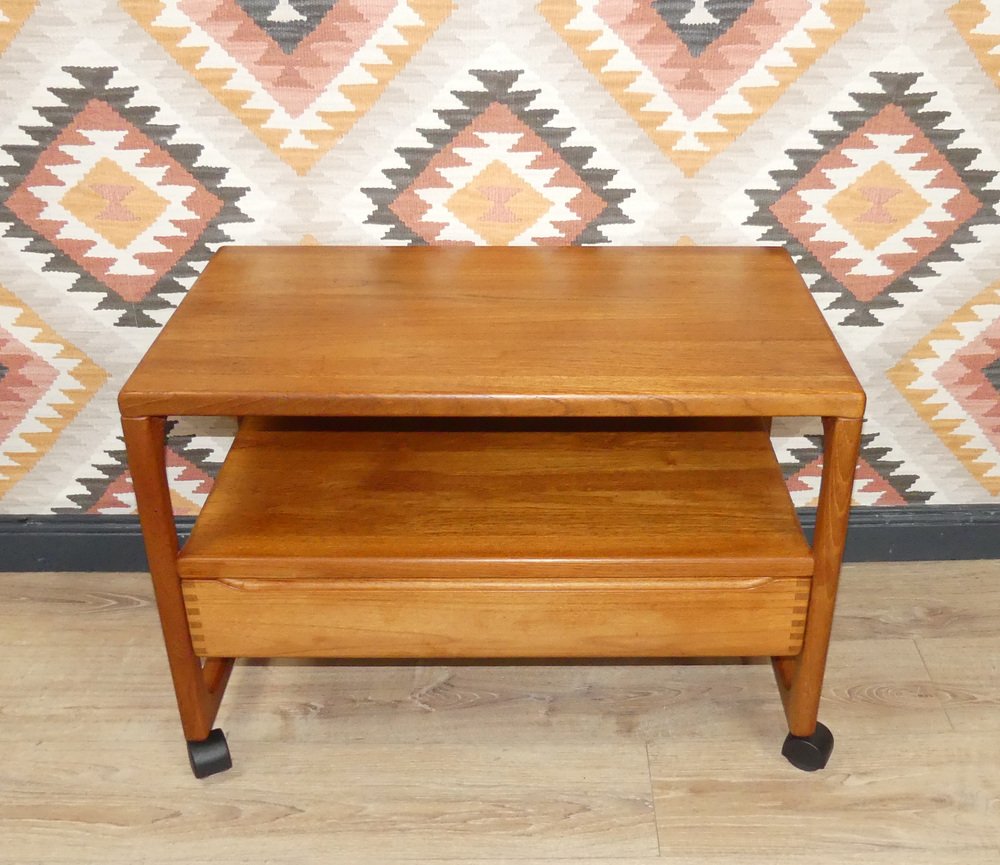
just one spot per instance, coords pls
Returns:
(496, 453)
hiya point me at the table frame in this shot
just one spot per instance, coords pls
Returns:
(200, 684)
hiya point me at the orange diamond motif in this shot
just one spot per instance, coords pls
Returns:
(877, 205)
(498, 205)
(114, 203)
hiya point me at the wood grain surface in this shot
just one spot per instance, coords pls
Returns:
(487, 331)
(490, 763)
(199, 689)
(305, 500)
(569, 618)
(800, 679)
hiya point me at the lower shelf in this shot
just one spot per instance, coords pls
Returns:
(310, 499)
(453, 538)
(497, 618)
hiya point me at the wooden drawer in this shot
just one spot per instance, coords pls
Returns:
(457, 538)
(497, 618)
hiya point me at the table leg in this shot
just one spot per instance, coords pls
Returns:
(800, 678)
(199, 688)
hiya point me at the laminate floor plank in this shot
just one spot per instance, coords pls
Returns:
(431, 703)
(877, 685)
(74, 607)
(928, 794)
(966, 675)
(387, 801)
(870, 684)
(504, 762)
(918, 599)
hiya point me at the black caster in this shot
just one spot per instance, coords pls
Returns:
(210, 756)
(809, 753)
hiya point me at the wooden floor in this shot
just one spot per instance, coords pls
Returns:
(612, 764)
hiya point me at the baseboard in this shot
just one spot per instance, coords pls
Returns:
(114, 543)
(75, 542)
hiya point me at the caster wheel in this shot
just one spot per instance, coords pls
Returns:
(210, 756)
(809, 753)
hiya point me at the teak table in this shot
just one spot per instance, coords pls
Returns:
(495, 453)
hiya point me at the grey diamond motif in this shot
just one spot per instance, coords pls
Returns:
(992, 373)
(286, 30)
(699, 36)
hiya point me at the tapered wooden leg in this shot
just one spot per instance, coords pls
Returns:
(800, 678)
(199, 688)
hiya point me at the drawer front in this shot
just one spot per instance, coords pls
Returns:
(497, 618)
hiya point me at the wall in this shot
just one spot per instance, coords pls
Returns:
(136, 137)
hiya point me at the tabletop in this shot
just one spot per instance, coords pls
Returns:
(492, 331)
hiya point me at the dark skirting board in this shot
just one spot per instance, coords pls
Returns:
(70, 542)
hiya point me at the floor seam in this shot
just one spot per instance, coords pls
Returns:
(652, 800)
(934, 685)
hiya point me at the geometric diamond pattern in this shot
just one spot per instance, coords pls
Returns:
(298, 74)
(884, 198)
(44, 382)
(108, 196)
(498, 169)
(951, 379)
(191, 472)
(860, 136)
(877, 479)
(695, 75)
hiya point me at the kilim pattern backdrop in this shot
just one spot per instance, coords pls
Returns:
(138, 136)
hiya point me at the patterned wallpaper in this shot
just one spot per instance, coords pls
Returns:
(137, 136)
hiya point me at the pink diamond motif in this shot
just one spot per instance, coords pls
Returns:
(297, 79)
(697, 82)
(25, 377)
(694, 75)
